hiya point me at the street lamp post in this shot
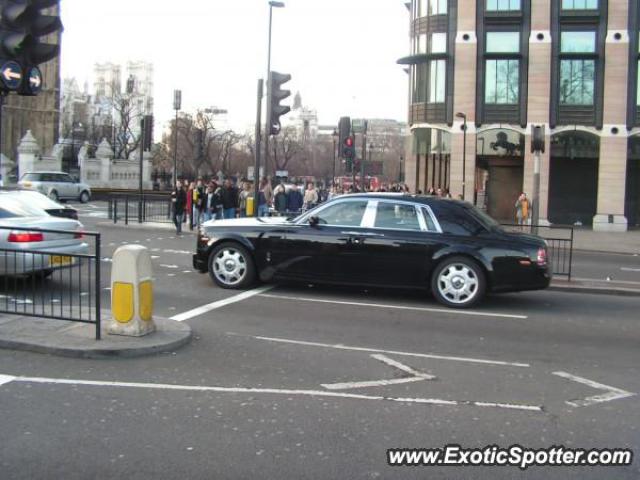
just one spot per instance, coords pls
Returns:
(272, 5)
(464, 152)
(177, 104)
(335, 137)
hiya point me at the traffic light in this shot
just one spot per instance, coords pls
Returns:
(21, 50)
(147, 124)
(537, 138)
(276, 95)
(349, 151)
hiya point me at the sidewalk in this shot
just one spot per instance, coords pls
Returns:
(72, 339)
(626, 242)
(593, 286)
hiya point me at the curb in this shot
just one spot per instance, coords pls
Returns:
(179, 335)
(605, 252)
(143, 226)
(621, 292)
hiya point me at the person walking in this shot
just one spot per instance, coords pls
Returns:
(246, 193)
(295, 200)
(199, 199)
(229, 198)
(189, 205)
(310, 197)
(179, 202)
(523, 209)
(265, 197)
(210, 205)
(280, 199)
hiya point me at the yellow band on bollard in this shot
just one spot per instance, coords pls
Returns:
(146, 300)
(250, 205)
(122, 302)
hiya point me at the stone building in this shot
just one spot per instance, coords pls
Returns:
(570, 65)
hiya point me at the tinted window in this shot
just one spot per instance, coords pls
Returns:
(344, 214)
(48, 177)
(64, 178)
(431, 226)
(455, 220)
(12, 207)
(31, 177)
(396, 216)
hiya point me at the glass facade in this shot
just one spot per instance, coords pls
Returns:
(420, 83)
(503, 5)
(437, 81)
(579, 4)
(578, 42)
(437, 7)
(577, 80)
(502, 82)
(503, 42)
(438, 43)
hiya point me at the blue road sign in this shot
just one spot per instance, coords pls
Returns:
(35, 80)
(11, 75)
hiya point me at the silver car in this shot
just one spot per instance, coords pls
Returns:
(56, 185)
(16, 246)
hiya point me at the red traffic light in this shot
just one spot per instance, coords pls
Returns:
(348, 142)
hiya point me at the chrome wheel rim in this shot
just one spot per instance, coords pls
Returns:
(229, 266)
(458, 283)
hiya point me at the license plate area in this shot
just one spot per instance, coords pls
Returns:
(60, 261)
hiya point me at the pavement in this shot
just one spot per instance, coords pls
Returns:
(624, 242)
(72, 339)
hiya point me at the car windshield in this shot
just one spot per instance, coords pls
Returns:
(13, 207)
(31, 177)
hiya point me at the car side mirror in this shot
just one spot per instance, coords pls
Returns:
(314, 221)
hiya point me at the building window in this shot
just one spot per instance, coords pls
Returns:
(503, 42)
(578, 42)
(437, 77)
(502, 82)
(420, 44)
(503, 5)
(438, 43)
(577, 81)
(420, 83)
(437, 7)
(579, 4)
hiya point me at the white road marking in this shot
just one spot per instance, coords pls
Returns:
(612, 393)
(415, 377)
(270, 391)
(169, 266)
(220, 303)
(393, 352)
(399, 307)
(626, 269)
(6, 379)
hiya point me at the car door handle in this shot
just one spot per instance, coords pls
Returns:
(363, 234)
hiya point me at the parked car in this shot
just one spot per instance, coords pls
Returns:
(45, 203)
(56, 185)
(24, 251)
(389, 240)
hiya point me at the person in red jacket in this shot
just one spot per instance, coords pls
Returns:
(192, 186)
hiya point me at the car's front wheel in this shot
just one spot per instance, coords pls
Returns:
(231, 266)
(458, 282)
(84, 197)
(53, 195)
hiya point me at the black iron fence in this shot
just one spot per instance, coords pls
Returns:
(138, 208)
(560, 240)
(51, 274)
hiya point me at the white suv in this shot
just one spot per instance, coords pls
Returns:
(56, 185)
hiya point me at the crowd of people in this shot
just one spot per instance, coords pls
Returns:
(200, 201)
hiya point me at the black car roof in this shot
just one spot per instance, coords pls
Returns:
(423, 199)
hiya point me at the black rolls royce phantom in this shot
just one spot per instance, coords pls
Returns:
(389, 240)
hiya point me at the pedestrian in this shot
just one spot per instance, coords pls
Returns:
(179, 202)
(211, 203)
(199, 199)
(280, 199)
(295, 200)
(189, 205)
(265, 197)
(310, 197)
(229, 197)
(523, 209)
(246, 193)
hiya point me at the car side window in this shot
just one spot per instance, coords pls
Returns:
(64, 178)
(431, 226)
(455, 221)
(343, 214)
(47, 177)
(396, 216)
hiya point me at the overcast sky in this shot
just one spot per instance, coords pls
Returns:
(341, 53)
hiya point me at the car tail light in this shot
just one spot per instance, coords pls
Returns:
(79, 235)
(25, 237)
(542, 257)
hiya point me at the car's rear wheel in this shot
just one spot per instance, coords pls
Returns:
(231, 266)
(53, 195)
(84, 197)
(458, 282)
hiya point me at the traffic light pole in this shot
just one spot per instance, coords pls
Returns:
(140, 190)
(364, 155)
(2, 95)
(256, 172)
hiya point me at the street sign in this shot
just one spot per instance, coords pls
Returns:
(35, 80)
(282, 173)
(11, 75)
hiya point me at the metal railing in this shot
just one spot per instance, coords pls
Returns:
(560, 239)
(139, 208)
(54, 282)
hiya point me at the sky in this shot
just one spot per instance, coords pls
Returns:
(341, 53)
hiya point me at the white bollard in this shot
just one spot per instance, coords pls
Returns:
(131, 292)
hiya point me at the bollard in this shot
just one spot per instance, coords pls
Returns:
(249, 209)
(131, 292)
